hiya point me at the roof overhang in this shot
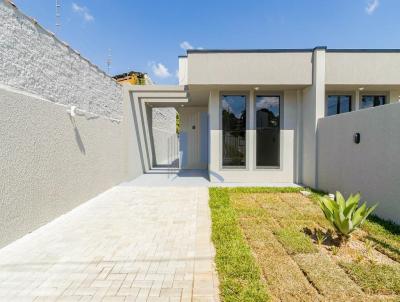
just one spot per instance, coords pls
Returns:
(159, 95)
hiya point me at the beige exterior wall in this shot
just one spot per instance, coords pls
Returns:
(292, 68)
(364, 68)
(371, 167)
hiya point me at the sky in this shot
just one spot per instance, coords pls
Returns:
(149, 35)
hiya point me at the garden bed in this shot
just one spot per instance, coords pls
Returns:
(275, 244)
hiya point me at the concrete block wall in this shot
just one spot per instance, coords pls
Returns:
(33, 60)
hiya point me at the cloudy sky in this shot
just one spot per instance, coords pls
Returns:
(149, 35)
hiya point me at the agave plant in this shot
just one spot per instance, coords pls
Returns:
(345, 215)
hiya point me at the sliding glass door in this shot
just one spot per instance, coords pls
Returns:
(233, 131)
(267, 131)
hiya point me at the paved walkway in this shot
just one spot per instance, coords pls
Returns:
(127, 244)
(164, 177)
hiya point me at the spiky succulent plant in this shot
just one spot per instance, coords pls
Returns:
(345, 215)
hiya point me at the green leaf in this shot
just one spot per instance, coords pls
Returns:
(353, 199)
(345, 215)
(340, 200)
(358, 215)
(348, 212)
(368, 211)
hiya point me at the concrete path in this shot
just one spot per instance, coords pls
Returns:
(127, 244)
(164, 177)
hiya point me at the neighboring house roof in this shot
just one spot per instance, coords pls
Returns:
(134, 78)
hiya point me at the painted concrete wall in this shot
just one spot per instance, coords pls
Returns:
(292, 68)
(49, 162)
(371, 167)
(183, 71)
(33, 60)
(140, 100)
(134, 164)
(374, 68)
(288, 148)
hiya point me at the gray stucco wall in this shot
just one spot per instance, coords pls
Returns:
(33, 60)
(50, 163)
(371, 167)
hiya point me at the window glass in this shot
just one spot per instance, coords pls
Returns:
(368, 101)
(338, 104)
(267, 131)
(234, 131)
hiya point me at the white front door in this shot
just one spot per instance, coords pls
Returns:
(193, 138)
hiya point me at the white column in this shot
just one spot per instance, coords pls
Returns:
(357, 100)
(299, 137)
(214, 140)
(313, 109)
(250, 132)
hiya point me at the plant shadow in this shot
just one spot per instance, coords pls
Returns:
(322, 237)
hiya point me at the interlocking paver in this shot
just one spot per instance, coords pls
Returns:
(127, 244)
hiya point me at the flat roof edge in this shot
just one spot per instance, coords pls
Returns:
(382, 50)
(189, 51)
(343, 50)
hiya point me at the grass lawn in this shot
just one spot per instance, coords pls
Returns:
(274, 244)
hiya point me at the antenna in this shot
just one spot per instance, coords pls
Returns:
(58, 14)
(109, 61)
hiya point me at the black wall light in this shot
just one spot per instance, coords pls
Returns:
(357, 138)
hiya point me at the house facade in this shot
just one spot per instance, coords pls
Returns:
(252, 115)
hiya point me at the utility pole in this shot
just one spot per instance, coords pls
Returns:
(58, 15)
(109, 61)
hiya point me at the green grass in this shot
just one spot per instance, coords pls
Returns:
(375, 278)
(295, 241)
(385, 234)
(263, 189)
(239, 274)
(263, 253)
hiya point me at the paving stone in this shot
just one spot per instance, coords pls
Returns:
(127, 244)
